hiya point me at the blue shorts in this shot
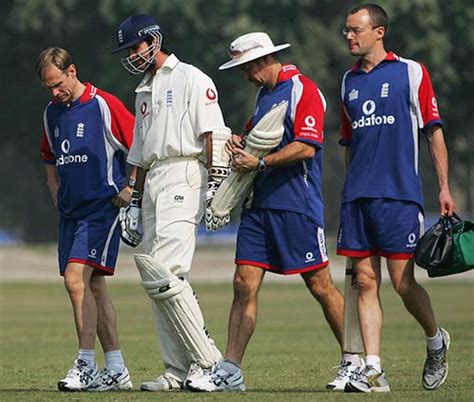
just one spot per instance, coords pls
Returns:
(284, 242)
(379, 226)
(92, 240)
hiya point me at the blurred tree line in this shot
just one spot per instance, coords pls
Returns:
(435, 32)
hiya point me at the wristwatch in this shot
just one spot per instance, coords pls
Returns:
(131, 182)
(262, 166)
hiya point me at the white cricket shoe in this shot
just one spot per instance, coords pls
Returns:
(111, 380)
(196, 371)
(368, 380)
(346, 371)
(165, 382)
(218, 380)
(81, 377)
(435, 370)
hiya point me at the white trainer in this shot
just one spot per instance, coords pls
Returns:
(218, 380)
(196, 371)
(346, 371)
(111, 380)
(165, 382)
(435, 370)
(368, 380)
(80, 377)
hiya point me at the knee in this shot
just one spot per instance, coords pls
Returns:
(96, 286)
(366, 282)
(403, 287)
(320, 284)
(244, 289)
(74, 284)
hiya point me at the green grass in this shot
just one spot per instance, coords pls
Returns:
(290, 357)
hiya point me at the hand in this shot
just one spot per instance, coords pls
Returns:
(130, 221)
(122, 199)
(243, 161)
(447, 205)
(235, 142)
(214, 223)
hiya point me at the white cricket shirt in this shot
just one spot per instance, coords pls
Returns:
(173, 108)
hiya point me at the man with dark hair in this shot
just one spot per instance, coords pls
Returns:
(87, 134)
(178, 150)
(282, 231)
(386, 101)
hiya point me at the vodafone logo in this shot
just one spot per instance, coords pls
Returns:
(310, 121)
(66, 159)
(368, 107)
(143, 108)
(65, 146)
(211, 94)
(370, 118)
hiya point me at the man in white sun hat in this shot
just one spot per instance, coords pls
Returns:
(282, 231)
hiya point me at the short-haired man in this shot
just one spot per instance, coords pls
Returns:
(282, 231)
(87, 134)
(386, 100)
(179, 130)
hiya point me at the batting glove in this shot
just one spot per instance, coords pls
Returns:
(216, 176)
(130, 219)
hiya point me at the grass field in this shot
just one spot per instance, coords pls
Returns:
(290, 357)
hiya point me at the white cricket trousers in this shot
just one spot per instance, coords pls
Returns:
(172, 207)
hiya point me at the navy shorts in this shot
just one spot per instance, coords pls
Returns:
(280, 241)
(92, 240)
(380, 226)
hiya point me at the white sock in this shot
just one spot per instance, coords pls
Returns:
(374, 361)
(435, 342)
(114, 360)
(229, 366)
(88, 355)
(354, 358)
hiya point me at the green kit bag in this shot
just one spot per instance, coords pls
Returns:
(462, 247)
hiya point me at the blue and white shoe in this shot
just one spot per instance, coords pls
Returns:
(435, 370)
(217, 380)
(346, 370)
(111, 380)
(80, 377)
(368, 380)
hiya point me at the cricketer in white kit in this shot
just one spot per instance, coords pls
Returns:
(179, 133)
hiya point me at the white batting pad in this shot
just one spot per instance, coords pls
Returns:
(176, 303)
(264, 137)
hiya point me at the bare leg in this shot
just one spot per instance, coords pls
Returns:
(243, 314)
(322, 287)
(106, 316)
(369, 305)
(414, 296)
(77, 282)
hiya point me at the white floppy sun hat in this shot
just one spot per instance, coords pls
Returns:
(249, 47)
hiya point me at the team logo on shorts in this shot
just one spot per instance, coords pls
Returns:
(411, 240)
(309, 257)
(92, 253)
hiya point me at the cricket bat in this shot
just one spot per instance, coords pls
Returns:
(352, 339)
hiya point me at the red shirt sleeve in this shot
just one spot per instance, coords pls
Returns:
(47, 155)
(308, 123)
(426, 97)
(346, 129)
(122, 120)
